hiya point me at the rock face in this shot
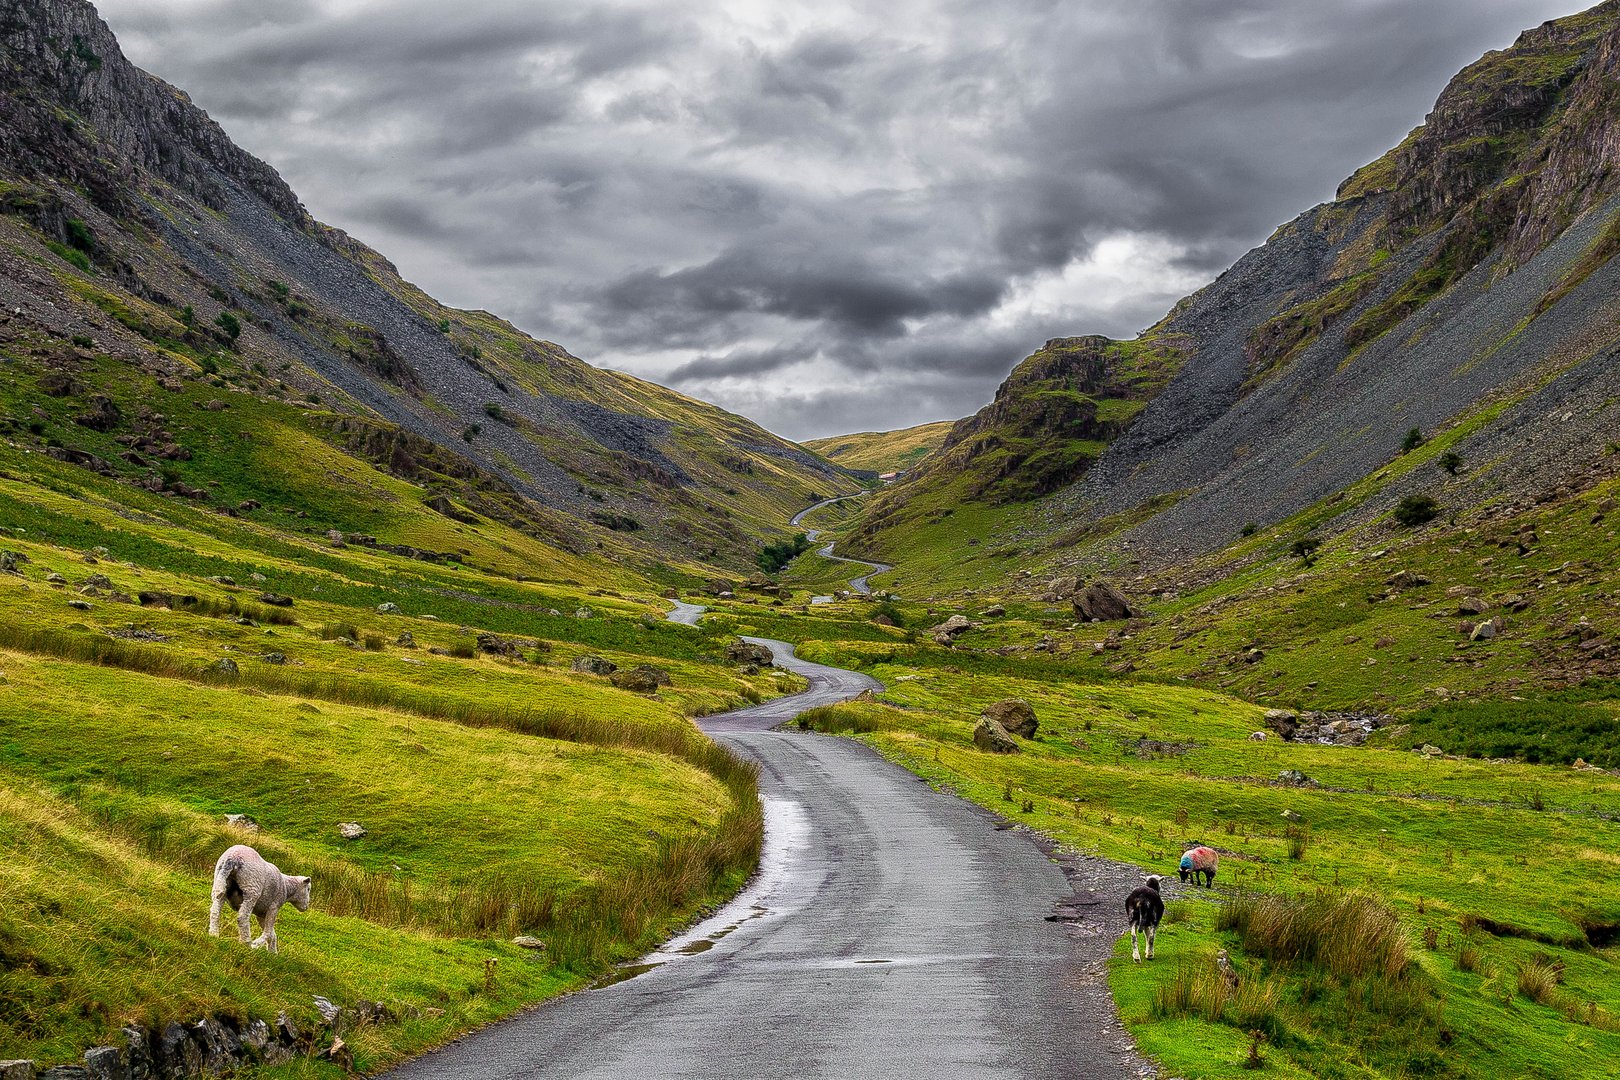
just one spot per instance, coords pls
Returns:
(746, 652)
(951, 629)
(1102, 602)
(1015, 715)
(991, 737)
(1326, 728)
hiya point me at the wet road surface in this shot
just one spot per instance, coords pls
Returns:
(686, 614)
(893, 931)
(862, 584)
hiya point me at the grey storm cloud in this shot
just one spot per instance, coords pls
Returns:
(828, 217)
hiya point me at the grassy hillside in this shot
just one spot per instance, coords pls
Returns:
(165, 665)
(883, 451)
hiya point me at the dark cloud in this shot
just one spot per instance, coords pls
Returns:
(829, 219)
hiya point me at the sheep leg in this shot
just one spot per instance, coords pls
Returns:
(1136, 955)
(267, 928)
(1152, 931)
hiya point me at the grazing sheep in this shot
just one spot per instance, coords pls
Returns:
(1200, 860)
(1143, 910)
(253, 886)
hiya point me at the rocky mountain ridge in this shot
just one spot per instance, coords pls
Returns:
(1461, 285)
(138, 231)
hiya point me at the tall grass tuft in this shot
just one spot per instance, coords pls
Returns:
(1202, 990)
(1351, 935)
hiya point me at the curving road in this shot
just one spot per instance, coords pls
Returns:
(893, 931)
(862, 584)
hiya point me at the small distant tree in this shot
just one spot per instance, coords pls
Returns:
(1250, 528)
(230, 325)
(1305, 548)
(188, 315)
(1414, 510)
(1451, 461)
(444, 326)
(1414, 439)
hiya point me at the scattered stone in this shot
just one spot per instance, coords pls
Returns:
(56, 579)
(594, 665)
(275, 599)
(388, 608)
(1406, 579)
(81, 605)
(1430, 750)
(952, 628)
(242, 821)
(992, 737)
(1472, 605)
(228, 666)
(882, 620)
(1015, 715)
(994, 611)
(274, 658)
(1258, 736)
(339, 1054)
(747, 652)
(748, 669)
(495, 645)
(1488, 629)
(1102, 602)
(351, 830)
(1292, 816)
(406, 640)
(106, 1063)
(636, 680)
(525, 941)
(584, 613)
(1293, 778)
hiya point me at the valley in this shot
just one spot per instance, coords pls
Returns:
(618, 733)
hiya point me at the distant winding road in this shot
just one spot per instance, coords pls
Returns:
(892, 931)
(862, 584)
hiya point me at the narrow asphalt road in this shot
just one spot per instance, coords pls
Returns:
(893, 931)
(862, 584)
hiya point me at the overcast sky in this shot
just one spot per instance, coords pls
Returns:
(829, 216)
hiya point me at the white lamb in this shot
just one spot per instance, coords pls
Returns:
(253, 886)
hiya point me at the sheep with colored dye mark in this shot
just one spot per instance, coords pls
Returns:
(1200, 861)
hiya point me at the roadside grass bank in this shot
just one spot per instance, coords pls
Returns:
(1488, 883)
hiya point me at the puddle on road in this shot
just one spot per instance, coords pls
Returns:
(699, 946)
(623, 974)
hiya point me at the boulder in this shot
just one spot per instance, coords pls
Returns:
(952, 628)
(525, 941)
(1258, 736)
(1486, 630)
(882, 620)
(1293, 778)
(1102, 602)
(1292, 816)
(351, 830)
(227, 666)
(275, 599)
(594, 665)
(991, 737)
(16, 1069)
(65, 1072)
(1015, 715)
(388, 608)
(242, 821)
(406, 640)
(1059, 589)
(274, 658)
(495, 645)
(1472, 605)
(584, 613)
(1283, 721)
(994, 611)
(106, 1063)
(746, 652)
(636, 680)
(1406, 579)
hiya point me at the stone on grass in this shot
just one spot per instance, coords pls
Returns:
(406, 640)
(526, 941)
(274, 658)
(388, 608)
(106, 1063)
(994, 611)
(228, 666)
(1293, 777)
(1292, 816)
(1015, 715)
(992, 737)
(594, 665)
(746, 652)
(242, 821)
(16, 1069)
(275, 599)
(1257, 736)
(351, 830)
(1102, 602)
(637, 680)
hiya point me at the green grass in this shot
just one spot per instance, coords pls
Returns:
(1473, 851)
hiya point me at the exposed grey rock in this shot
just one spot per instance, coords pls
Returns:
(228, 666)
(992, 737)
(274, 658)
(82, 605)
(406, 640)
(275, 599)
(388, 608)
(65, 1072)
(994, 611)
(242, 821)
(594, 665)
(522, 941)
(584, 613)
(17, 1069)
(351, 830)
(106, 1063)
(1102, 602)
(177, 1054)
(746, 652)
(1015, 715)
(1294, 778)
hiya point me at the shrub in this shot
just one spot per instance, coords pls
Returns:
(1250, 528)
(469, 432)
(333, 630)
(1451, 461)
(444, 326)
(495, 412)
(1415, 510)
(774, 556)
(1305, 547)
(230, 325)
(1538, 980)
(1414, 439)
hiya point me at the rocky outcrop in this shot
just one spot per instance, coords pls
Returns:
(746, 652)
(1015, 715)
(1102, 602)
(594, 665)
(992, 738)
(640, 680)
(1326, 728)
(952, 628)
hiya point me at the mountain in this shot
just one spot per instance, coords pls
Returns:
(883, 451)
(1462, 285)
(146, 254)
